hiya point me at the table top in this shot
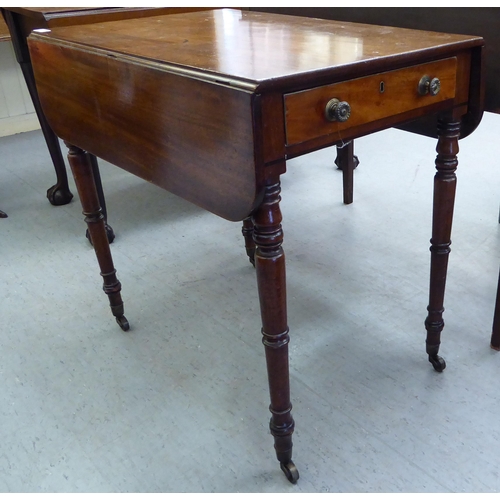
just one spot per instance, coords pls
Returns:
(256, 48)
(209, 104)
(66, 16)
(481, 21)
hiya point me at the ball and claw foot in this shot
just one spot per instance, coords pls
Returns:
(437, 362)
(123, 322)
(59, 196)
(109, 231)
(291, 472)
(355, 160)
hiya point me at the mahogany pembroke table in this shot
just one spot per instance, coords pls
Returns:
(210, 105)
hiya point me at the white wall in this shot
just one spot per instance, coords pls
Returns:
(17, 113)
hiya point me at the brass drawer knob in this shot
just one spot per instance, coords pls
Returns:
(426, 85)
(337, 111)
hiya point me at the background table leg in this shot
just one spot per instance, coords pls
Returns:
(347, 161)
(247, 231)
(495, 336)
(59, 193)
(270, 269)
(85, 183)
(102, 200)
(444, 200)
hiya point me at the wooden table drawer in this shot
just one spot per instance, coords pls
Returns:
(370, 98)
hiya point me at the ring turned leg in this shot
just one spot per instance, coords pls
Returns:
(444, 198)
(495, 336)
(270, 270)
(247, 231)
(82, 171)
(347, 161)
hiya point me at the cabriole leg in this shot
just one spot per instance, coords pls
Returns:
(59, 194)
(270, 270)
(444, 200)
(495, 335)
(85, 183)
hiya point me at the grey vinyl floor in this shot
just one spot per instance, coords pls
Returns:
(180, 402)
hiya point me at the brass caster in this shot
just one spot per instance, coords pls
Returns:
(437, 362)
(291, 472)
(122, 321)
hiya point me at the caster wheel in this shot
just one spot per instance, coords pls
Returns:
(109, 232)
(59, 196)
(122, 321)
(437, 362)
(291, 472)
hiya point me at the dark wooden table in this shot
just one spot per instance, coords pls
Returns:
(21, 21)
(210, 105)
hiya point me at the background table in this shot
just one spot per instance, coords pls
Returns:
(21, 21)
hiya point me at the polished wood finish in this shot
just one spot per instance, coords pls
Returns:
(270, 266)
(483, 21)
(82, 170)
(195, 103)
(371, 98)
(52, 17)
(445, 182)
(479, 21)
(21, 21)
(184, 160)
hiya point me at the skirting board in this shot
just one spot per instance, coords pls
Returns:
(16, 124)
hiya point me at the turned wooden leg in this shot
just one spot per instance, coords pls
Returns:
(495, 335)
(247, 231)
(444, 200)
(347, 161)
(82, 171)
(270, 270)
